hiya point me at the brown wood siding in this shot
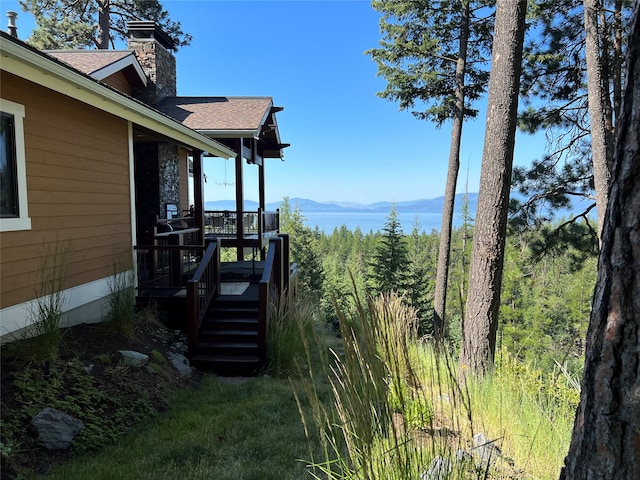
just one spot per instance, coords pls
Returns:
(119, 82)
(78, 191)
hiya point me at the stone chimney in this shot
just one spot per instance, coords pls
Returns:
(153, 47)
(11, 27)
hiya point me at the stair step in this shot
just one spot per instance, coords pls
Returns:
(247, 365)
(233, 312)
(238, 345)
(213, 330)
(213, 334)
(243, 324)
(228, 359)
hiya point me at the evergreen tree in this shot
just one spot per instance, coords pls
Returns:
(389, 264)
(420, 276)
(304, 248)
(65, 24)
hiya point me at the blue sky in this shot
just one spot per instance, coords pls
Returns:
(347, 144)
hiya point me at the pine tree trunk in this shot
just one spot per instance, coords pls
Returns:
(606, 434)
(104, 11)
(487, 256)
(442, 272)
(597, 118)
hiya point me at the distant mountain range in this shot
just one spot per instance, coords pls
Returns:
(434, 205)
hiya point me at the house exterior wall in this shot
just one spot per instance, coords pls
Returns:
(78, 183)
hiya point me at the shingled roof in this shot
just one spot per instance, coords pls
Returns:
(219, 114)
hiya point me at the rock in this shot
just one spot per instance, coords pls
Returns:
(439, 469)
(463, 456)
(134, 359)
(56, 429)
(180, 363)
(485, 450)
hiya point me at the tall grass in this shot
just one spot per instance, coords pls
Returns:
(50, 302)
(292, 320)
(378, 397)
(400, 411)
(122, 298)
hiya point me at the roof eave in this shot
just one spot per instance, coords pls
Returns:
(229, 133)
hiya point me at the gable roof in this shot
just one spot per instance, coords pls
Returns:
(27, 62)
(101, 64)
(228, 116)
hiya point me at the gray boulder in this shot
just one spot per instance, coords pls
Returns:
(134, 359)
(56, 429)
(439, 469)
(180, 363)
(484, 450)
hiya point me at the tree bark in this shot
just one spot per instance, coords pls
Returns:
(597, 117)
(606, 435)
(487, 255)
(104, 12)
(442, 272)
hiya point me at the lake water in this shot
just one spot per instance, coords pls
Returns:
(374, 221)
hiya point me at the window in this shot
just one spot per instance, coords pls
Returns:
(8, 184)
(13, 179)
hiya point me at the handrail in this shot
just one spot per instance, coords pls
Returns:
(269, 287)
(201, 289)
(253, 222)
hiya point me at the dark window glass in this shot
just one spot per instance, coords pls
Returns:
(8, 180)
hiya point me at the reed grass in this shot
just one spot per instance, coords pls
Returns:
(401, 412)
(49, 304)
(122, 315)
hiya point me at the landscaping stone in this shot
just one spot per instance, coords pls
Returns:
(56, 429)
(134, 359)
(180, 363)
(485, 451)
(439, 469)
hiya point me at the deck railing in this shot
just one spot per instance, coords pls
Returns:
(225, 222)
(166, 267)
(269, 287)
(200, 291)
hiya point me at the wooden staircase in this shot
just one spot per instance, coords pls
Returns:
(228, 340)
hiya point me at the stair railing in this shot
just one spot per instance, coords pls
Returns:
(201, 290)
(269, 288)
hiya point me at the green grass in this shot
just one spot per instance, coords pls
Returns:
(223, 431)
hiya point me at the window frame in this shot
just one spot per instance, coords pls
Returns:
(23, 221)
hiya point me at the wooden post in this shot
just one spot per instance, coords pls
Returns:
(285, 261)
(198, 195)
(239, 197)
